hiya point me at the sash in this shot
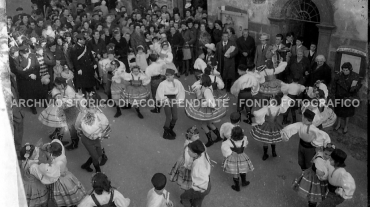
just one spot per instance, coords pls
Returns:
(82, 54)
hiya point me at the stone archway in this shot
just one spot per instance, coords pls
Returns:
(278, 21)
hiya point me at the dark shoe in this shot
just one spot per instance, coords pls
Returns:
(337, 128)
(127, 106)
(167, 135)
(236, 185)
(97, 168)
(171, 130)
(139, 114)
(310, 204)
(265, 155)
(86, 165)
(65, 143)
(155, 110)
(273, 150)
(118, 113)
(345, 132)
(104, 158)
(244, 179)
(210, 141)
(217, 133)
(73, 145)
(186, 74)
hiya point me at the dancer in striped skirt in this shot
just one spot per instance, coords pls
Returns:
(312, 184)
(207, 109)
(267, 129)
(181, 171)
(236, 162)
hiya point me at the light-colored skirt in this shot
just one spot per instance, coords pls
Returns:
(268, 132)
(53, 116)
(201, 113)
(68, 190)
(117, 90)
(136, 94)
(237, 163)
(181, 174)
(36, 192)
(309, 187)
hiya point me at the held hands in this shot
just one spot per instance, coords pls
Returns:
(245, 54)
(33, 76)
(79, 72)
(306, 73)
(169, 204)
(319, 173)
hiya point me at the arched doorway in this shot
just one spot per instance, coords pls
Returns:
(302, 16)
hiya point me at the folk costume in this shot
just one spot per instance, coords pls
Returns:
(246, 87)
(271, 86)
(311, 185)
(35, 191)
(136, 91)
(114, 196)
(200, 176)
(156, 73)
(141, 58)
(181, 171)
(292, 90)
(68, 190)
(268, 129)
(236, 162)
(158, 196)
(199, 66)
(310, 137)
(226, 128)
(92, 128)
(207, 109)
(118, 86)
(340, 183)
(170, 93)
(166, 57)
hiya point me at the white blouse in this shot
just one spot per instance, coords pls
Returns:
(321, 165)
(343, 180)
(154, 69)
(170, 88)
(227, 145)
(225, 130)
(292, 88)
(199, 64)
(155, 200)
(247, 80)
(104, 198)
(200, 172)
(315, 136)
(279, 69)
(259, 115)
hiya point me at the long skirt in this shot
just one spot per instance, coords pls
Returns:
(68, 190)
(136, 94)
(116, 90)
(270, 88)
(200, 113)
(36, 192)
(345, 109)
(181, 174)
(329, 116)
(309, 187)
(332, 200)
(237, 163)
(268, 132)
(53, 116)
(220, 94)
(186, 53)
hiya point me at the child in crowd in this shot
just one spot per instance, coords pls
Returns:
(141, 58)
(67, 74)
(225, 130)
(181, 171)
(158, 196)
(236, 162)
(58, 69)
(199, 65)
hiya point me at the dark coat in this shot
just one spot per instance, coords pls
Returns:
(217, 35)
(321, 73)
(86, 64)
(246, 45)
(175, 40)
(27, 87)
(297, 69)
(342, 88)
(120, 47)
(136, 40)
(226, 66)
(260, 56)
(49, 61)
(98, 47)
(17, 110)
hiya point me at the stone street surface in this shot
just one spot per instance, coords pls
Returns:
(136, 151)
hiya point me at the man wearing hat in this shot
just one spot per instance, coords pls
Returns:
(246, 47)
(260, 54)
(158, 196)
(311, 137)
(84, 65)
(246, 88)
(226, 65)
(200, 175)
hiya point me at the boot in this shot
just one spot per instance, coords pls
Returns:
(156, 110)
(118, 113)
(86, 165)
(60, 137)
(171, 130)
(210, 141)
(311, 204)
(127, 106)
(236, 187)
(138, 113)
(54, 135)
(97, 168)
(167, 134)
(73, 145)
(265, 155)
(104, 158)
(249, 118)
(217, 133)
(244, 179)
(273, 150)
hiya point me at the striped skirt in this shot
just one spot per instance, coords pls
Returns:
(136, 94)
(310, 187)
(53, 116)
(36, 192)
(268, 132)
(201, 113)
(68, 190)
(220, 94)
(269, 88)
(116, 90)
(181, 174)
(237, 163)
